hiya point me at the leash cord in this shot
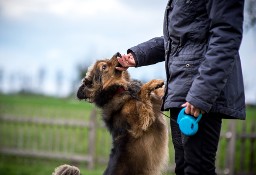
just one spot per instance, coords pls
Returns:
(168, 117)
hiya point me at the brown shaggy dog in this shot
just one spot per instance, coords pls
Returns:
(131, 112)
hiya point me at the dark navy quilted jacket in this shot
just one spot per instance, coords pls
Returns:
(200, 48)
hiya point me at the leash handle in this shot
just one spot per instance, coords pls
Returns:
(188, 124)
(182, 112)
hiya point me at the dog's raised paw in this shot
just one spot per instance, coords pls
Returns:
(159, 85)
(153, 85)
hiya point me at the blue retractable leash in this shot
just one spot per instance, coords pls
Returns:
(188, 124)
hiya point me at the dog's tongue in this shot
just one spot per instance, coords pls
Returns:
(120, 90)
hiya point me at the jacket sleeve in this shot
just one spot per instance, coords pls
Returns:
(149, 52)
(225, 35)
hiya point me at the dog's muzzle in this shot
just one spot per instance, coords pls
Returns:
(80, 93)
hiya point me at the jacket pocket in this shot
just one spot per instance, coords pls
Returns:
(184, 68)
(182, 73)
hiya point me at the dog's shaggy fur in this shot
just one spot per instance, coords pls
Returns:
(131, 112)
(66, 170)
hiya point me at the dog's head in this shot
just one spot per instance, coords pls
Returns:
(100, 76)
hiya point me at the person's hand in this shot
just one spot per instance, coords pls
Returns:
(192, 110)
(126, 61)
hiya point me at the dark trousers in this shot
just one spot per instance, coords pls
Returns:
(196, 154)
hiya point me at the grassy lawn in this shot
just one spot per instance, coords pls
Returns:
(17, 166)
(75, 138)
(41, 106)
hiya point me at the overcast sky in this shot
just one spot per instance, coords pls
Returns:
(58, 35)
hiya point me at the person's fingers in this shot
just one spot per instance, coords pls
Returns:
(131, 61)
(124, 64)
(192, 110)
(184, 105)
(196, 113)
(122, 68)
(121, 60)
(125, 61)
(188, 109)
(128, 61)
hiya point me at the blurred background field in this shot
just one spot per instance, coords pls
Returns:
(39, 133)
(44, 139)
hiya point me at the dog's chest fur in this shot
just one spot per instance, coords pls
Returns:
(112, 101)
(104, 97)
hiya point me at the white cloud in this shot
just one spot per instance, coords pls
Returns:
(77, 10)
(23, 9)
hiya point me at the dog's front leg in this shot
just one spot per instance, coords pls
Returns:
(145, 107)
(148, 87)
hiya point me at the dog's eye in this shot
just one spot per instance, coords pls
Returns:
(104, 67)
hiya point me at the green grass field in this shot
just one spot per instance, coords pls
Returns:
(24, 166)
(68, 108)
(41, 106)
(45, 107)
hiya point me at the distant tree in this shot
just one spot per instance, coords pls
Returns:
(82, 69)
(59, 81)
(25, 83)
(41, 78)
(1, 79)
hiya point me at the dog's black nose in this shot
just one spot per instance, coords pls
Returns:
(118, 54)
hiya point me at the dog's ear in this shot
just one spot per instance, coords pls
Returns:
(86, 83)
